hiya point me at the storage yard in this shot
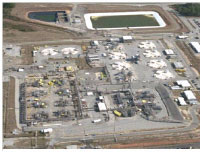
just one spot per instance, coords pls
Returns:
(113, 86)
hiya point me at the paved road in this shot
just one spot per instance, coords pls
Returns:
(177, 132)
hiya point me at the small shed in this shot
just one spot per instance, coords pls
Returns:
(89, 93)
(94, 43)
(169, 52)
(114, 39)
(76, 20)
(127, 39)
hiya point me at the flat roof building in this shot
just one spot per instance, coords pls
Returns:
(102, 106)
(127, 39)
(189, 96)
(178, 65)
(169, 52)
(183, 83)
(195, 46)
(181, 101)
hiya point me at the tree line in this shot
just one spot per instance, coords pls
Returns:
(188, 9)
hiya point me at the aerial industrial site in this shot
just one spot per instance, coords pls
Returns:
(101, 76)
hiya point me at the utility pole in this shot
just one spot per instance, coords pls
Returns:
(115, 139)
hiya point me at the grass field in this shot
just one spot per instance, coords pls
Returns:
(123, 21)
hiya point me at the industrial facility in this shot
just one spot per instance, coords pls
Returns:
(102, 87)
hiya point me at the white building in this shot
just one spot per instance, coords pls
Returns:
(183, 83)
(178, 65)
(127, 39)
(102, 106)
(169, 52)
(181, 101)
(195, 46)
(190, 97)
(89, 93)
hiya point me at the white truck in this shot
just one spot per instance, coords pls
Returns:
(182, 37)
(97, 121)
(21, 70)
(48, 130)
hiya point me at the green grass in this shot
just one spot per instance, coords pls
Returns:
(7, 8)
(123, 21)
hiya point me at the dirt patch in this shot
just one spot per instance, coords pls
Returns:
(26, 54)
(37, 143)
(152, 143)
(195, 61)
(197, 94)
(9, 106)
(186, 115)
(176, 93)
(81, 63)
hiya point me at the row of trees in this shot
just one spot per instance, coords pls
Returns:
(8, 5)
(188, 9)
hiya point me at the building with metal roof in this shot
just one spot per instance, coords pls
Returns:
(169, 52)
(102, 106)
(178, 65)
(127, 39)
(181, 101)
(195, 46)
(183, 83)
(190, 97)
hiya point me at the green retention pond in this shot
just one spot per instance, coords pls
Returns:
(45, 16)
(123, 21)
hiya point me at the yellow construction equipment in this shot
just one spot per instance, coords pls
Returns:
(50, 83)
(84, 48)
(117, 113)
(69, 68)
(36, 99)
(144, 101)
(180, 70)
